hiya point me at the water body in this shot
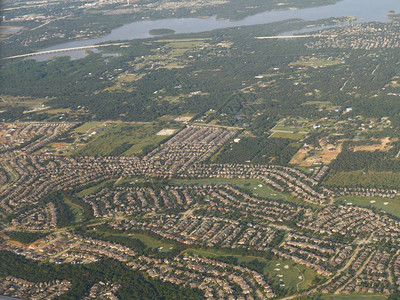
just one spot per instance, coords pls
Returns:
(365, 10)
(8, 298)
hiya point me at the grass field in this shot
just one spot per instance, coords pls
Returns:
(295, 129)
(152, 242)
(127, 78)
(391, 206)
(316, 62)
(76, 210)
(93, 189)
(321, 104)
(288, 135)
(146, 239)
(289, 273)
(89, 126)
(120, 139)
(28, 102)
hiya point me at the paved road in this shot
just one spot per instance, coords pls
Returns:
(63, 50)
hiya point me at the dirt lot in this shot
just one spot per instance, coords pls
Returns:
(308, 155)
(381, 145)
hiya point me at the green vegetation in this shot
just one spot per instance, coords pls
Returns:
(81, 211)
(258, 150)
(134, 285)
(254, 186)
(126, 139)
(95, 188)
(161, 31)
(65, 215)
(137, 240)
(378, 161)
(289, 270)
(25, 237)
(89, 126)
(363, 179)
(281, 94)
(316, 62)
(387, 205)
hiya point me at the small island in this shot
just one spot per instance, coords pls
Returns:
(161, 31)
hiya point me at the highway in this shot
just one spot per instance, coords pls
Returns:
(63, 50)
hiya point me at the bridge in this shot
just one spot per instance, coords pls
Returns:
(63, 50)
(292, 36)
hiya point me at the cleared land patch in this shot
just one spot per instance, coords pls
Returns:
(381, 145)
(308, 155)
(126, 139)
(317, 62)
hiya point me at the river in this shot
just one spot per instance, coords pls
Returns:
(365, 10)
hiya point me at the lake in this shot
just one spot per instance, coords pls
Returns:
(365, 10)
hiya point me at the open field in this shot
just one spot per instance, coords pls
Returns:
(290, 273)
(57, 111)
(185, 117)
(124, 78)
(148, 240)
(308, 156)
(316, 62)
(89, 126)
(391, 206)
(117, 88)
(76, 210)
(381, 145)
(93, 189)
(28, 102)
(288, 135)
(294, 128)
(320, 104)
(152, 242)
(126, 139)
(287, 272)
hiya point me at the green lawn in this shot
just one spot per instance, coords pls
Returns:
(76, 210)
(149, 241)
(391, 206)
(152, 242)
(88, 126)
(93, 189)
(290, 273)
(288, 135)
